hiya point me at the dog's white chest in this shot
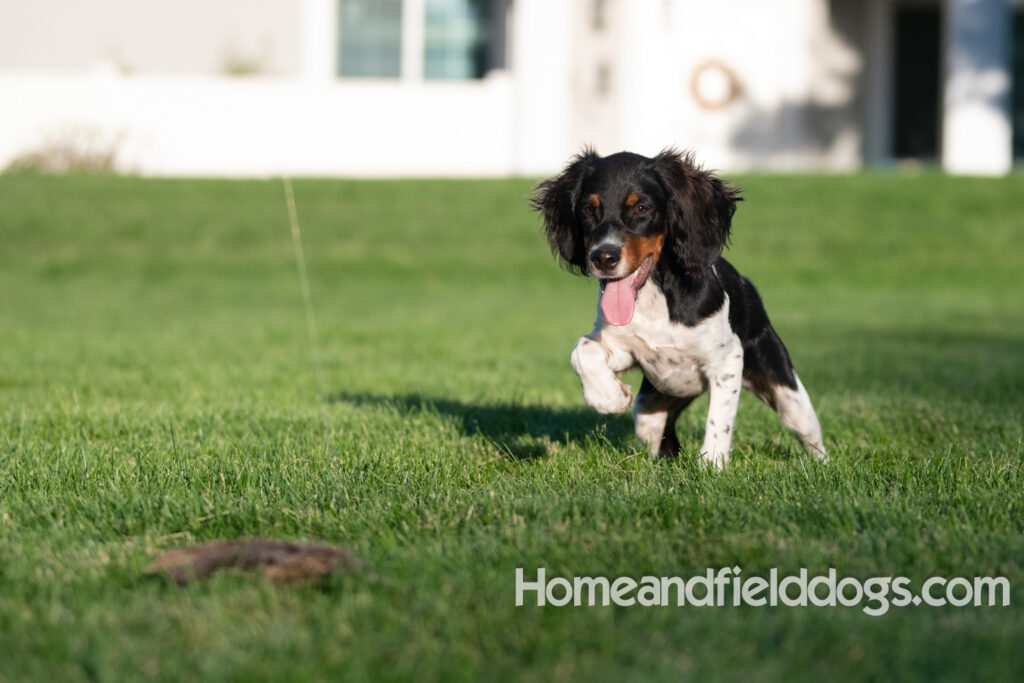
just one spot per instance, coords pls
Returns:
(674, 357)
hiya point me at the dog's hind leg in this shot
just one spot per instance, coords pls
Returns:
(794, 407)
(768, 374)
(654, 417)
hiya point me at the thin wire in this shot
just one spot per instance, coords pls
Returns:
(307, 298)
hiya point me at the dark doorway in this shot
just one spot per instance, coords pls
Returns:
(1017, 106)
(917, 43)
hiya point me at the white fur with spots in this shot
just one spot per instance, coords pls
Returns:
(683, 362)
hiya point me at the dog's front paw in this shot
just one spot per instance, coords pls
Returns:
(608, 398)
(714, 458)
(602, 390)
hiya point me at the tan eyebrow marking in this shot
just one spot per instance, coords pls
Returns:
(632, 199)
(595, 200)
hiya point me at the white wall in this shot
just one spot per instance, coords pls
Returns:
(977, 133)
(795, 80)
(151, 36)
(541, 58)
(256, 127)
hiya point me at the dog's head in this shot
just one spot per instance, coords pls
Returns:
(616, 217)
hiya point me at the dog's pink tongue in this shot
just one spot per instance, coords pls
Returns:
(619, 300)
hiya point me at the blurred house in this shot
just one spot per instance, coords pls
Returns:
(496, 87)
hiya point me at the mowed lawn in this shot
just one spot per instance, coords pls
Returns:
(158, 389)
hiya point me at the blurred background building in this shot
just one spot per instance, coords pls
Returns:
(497, 87)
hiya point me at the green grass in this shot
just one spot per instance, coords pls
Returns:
(157, 389)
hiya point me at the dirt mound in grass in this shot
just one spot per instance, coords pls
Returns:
(279, 561)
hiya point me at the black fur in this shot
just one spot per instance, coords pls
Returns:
(700, 209)
(557, 199)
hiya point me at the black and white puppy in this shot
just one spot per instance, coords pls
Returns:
(652, 231)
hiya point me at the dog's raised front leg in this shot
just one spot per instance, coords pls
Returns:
(596, 365)
(724, 383)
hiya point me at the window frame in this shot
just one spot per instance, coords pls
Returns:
(412, 45)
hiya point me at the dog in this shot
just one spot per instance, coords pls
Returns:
(652, 230)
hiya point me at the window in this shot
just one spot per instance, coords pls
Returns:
(421, 39)
(371, 38)
(457, 44)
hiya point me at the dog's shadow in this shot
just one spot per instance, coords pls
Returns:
(520, 432)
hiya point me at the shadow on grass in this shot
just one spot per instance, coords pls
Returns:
(939, 366)
(522, 432)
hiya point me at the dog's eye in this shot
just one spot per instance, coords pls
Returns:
(640, 209)
(588, 210)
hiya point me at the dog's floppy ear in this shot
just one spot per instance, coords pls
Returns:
(556, 199)
(700, 209)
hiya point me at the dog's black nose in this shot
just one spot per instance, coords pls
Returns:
(605, 259)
